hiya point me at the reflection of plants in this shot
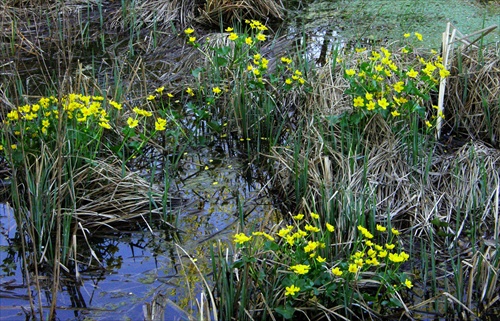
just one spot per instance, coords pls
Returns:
(295, 268)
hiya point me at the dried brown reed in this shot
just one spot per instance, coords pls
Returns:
(107, 197)
(229, 12)
(473, 93)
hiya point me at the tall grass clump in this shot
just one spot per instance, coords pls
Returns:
(54, 149)
(240, 91)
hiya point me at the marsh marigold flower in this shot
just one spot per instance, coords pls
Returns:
(383, 103)
(189, 31)
(233, 36)
(408, 284)
(241, 238)
(261, 37)
(330, 227)
(353, 268)
(132, 122)
(160, 124)
(336, 271)
(359, 101)
(298, 217)
(291, 290)
(412, 73)
(350, 72)
(300, 268)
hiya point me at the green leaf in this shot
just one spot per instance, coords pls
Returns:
(221, 61)
(287, 311)
(197, 71)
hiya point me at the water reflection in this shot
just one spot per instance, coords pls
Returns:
(121, 272)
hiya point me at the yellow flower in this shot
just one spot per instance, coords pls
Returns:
(241, 238)
(336, 271)
(320, 259)
(132, 122)
(358, 50)
(419, 36)
(267, 236)
(249, 41)
(288, 81)
(382, 254)
(408, 284)
(151, 97)
(192, 39)
(298, 217)
(412, 73)
(407, 35)
(115, 105)
(1, 147)
(394, 231)
(300, 268)
(160, 124)
(390, 246)
(229, 29)
(311, 246)
(233, 36)
(283, 232)
(395, 113)
(443, 73)
(104, 124)
(261, 37)
(368, 96)
(286, 60)
(359, 101)
(216, 90)
(381, 228)
(188, 31)
(368, 243)
(353, 268)
(396, 258)
(350, 72)
(311, 228)
(404, 50)
(314, 216)
(399, 86)
(160, 89)
(330, 227)
(190, 91)
(13, 146)
(291, 290)
(383, 103)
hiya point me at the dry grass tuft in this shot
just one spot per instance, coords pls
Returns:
(230, 12)
(107, 197)
(473, 102)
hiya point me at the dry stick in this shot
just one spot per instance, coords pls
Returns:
(447, 48)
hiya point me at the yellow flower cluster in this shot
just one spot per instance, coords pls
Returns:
(37, 119)
(300, 268)
(380, 84)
